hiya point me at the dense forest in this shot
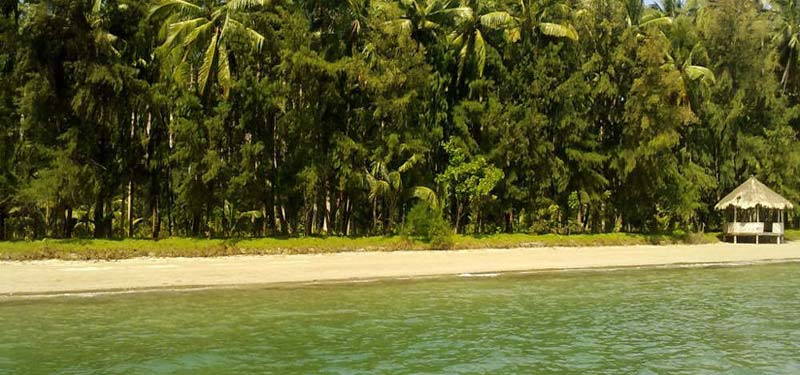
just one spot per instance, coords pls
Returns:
(322, 117)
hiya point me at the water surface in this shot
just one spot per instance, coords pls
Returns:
(740, 320)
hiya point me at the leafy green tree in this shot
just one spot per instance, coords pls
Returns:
(472, 179)
(204, 30)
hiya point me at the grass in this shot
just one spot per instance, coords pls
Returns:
(91, 249)
(792, 234)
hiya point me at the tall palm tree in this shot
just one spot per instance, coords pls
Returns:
(468, 37)
(387, 185)
(528, 19)
(669, 8)
(533, 17)
(639, 15)
(205, 30)
(689, 72)
(787, 37)
(423, 19)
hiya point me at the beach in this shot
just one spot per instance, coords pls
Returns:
(53, 277)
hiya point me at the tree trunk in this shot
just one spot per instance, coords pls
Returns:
(156, 219)
(129, 209)
(313, 227)
(309, 220)
(269, 214)
(68, 223)
(109, 225)
(374, 215)
(346, 217)
(99, 218)
(209, 217)
(47, 220)
(785, 77)
(459, 211)
(285, 230)
(2, 223)
(326, 216)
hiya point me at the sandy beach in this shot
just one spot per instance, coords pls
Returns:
(58, 277)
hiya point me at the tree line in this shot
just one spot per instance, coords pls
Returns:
(131, 118)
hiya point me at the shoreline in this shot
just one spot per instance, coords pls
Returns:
(51, 278)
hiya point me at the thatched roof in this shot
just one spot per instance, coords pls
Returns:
(753, 193)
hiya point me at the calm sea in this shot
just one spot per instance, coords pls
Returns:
(737, 320)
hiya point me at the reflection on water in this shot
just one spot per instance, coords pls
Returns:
(682, 321)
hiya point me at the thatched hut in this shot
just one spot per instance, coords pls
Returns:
(754, 210)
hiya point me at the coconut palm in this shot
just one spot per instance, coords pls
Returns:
(387, 185)
(424, 18)
(689, 72)
(468, 38)
(787, 38)
(639, 15)
(670, 8)
(534, 17)
(204, 30)
(525, 22)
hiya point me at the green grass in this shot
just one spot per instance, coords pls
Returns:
(792, 234)
(90, 249)
(603, 239)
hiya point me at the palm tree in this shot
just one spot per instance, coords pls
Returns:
(640, 16)
(205, 30)
(688, 73)
(468, 38)
(670, 8)
(529, 18)
(424, 18)
(787, 37)
(535, 17)
(387, 185)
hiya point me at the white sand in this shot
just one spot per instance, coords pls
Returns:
(55, 276)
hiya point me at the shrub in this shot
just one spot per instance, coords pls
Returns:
(427, 224)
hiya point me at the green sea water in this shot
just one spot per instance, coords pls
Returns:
(736, 320)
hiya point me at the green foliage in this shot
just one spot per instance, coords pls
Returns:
(425, 222)
(100, 249)
(250, 118)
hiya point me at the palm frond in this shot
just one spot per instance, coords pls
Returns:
(463, 13)
(395, 180)
(400, 26)
(426, 195)
(377, 188)
(497, 20)
(252, 215)
(208, 64)
(196, 33)
(696, 72)
(175, 32)
(245, 4)
(255, 38)
(405, 167)
(480, 52)
(462, 58)
(166, 7)
(656, 21)
(559, 31)
(224, 72)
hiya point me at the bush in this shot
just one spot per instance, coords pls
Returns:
(427, 224)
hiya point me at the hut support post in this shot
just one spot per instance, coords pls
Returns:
(757, 221)
(734, 224)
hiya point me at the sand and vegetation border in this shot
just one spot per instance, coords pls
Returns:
(95, 249)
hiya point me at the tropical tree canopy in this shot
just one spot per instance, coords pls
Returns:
(235, 118)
